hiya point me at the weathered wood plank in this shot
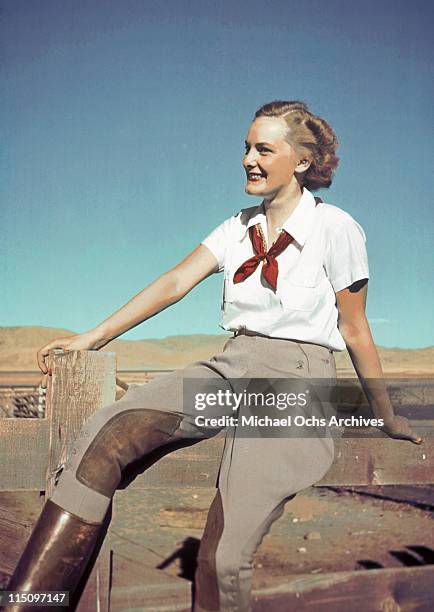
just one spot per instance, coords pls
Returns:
(358, 461)
(81, 383)
(376, 461)
(381, 461)
(416, 495)
(371, 590)
(402, 391)
(23, 454)
(31, 449)
(32, 378)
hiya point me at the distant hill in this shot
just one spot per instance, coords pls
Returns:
(18, 347)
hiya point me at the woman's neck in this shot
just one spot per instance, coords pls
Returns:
(279, 207)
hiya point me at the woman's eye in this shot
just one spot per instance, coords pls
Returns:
(260, 150)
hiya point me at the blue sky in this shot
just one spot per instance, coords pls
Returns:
(123, 125)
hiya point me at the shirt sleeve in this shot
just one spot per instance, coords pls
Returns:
(217, 242)
(346, 258)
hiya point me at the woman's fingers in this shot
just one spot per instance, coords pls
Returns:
(401, 430)
(43, 353)
(411, 435)
(416, 439)
(44, 381)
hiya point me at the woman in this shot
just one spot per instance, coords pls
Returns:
(295, 286)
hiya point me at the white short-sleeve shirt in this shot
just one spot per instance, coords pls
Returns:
(328, 254)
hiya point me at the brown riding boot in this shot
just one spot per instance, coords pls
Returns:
(56, 555)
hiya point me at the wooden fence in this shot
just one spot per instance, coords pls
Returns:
(84, 381)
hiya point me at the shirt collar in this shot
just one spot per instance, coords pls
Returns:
(298, 224)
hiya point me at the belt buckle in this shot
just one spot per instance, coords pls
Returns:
(242, 331)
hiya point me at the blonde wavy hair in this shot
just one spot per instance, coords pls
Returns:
(311, 137)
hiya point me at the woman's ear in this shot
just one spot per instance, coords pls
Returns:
(302, 165)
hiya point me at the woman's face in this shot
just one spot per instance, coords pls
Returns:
(269, 160)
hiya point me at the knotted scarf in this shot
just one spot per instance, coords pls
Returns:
(270, 267)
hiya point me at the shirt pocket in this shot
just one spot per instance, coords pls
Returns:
(300, 290)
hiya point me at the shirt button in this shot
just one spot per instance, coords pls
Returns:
(300, 365)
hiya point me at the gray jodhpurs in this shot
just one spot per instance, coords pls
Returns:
(257, 474)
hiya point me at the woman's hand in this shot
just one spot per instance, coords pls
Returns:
(400, 429)
(355, 330)
(86, 341)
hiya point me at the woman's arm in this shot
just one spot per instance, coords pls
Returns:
(167, 289)
(354, 327)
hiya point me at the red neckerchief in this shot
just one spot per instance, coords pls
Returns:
(270, 267)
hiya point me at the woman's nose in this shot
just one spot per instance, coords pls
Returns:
(249, 158)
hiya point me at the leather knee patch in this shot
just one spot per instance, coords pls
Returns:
(126, 437)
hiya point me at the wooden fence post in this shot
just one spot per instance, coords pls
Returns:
(81, 383)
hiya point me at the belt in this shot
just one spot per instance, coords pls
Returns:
(247, 332)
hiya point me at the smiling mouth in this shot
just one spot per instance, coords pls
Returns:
(255, 177)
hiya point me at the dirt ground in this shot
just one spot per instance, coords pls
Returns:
(321, 530)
